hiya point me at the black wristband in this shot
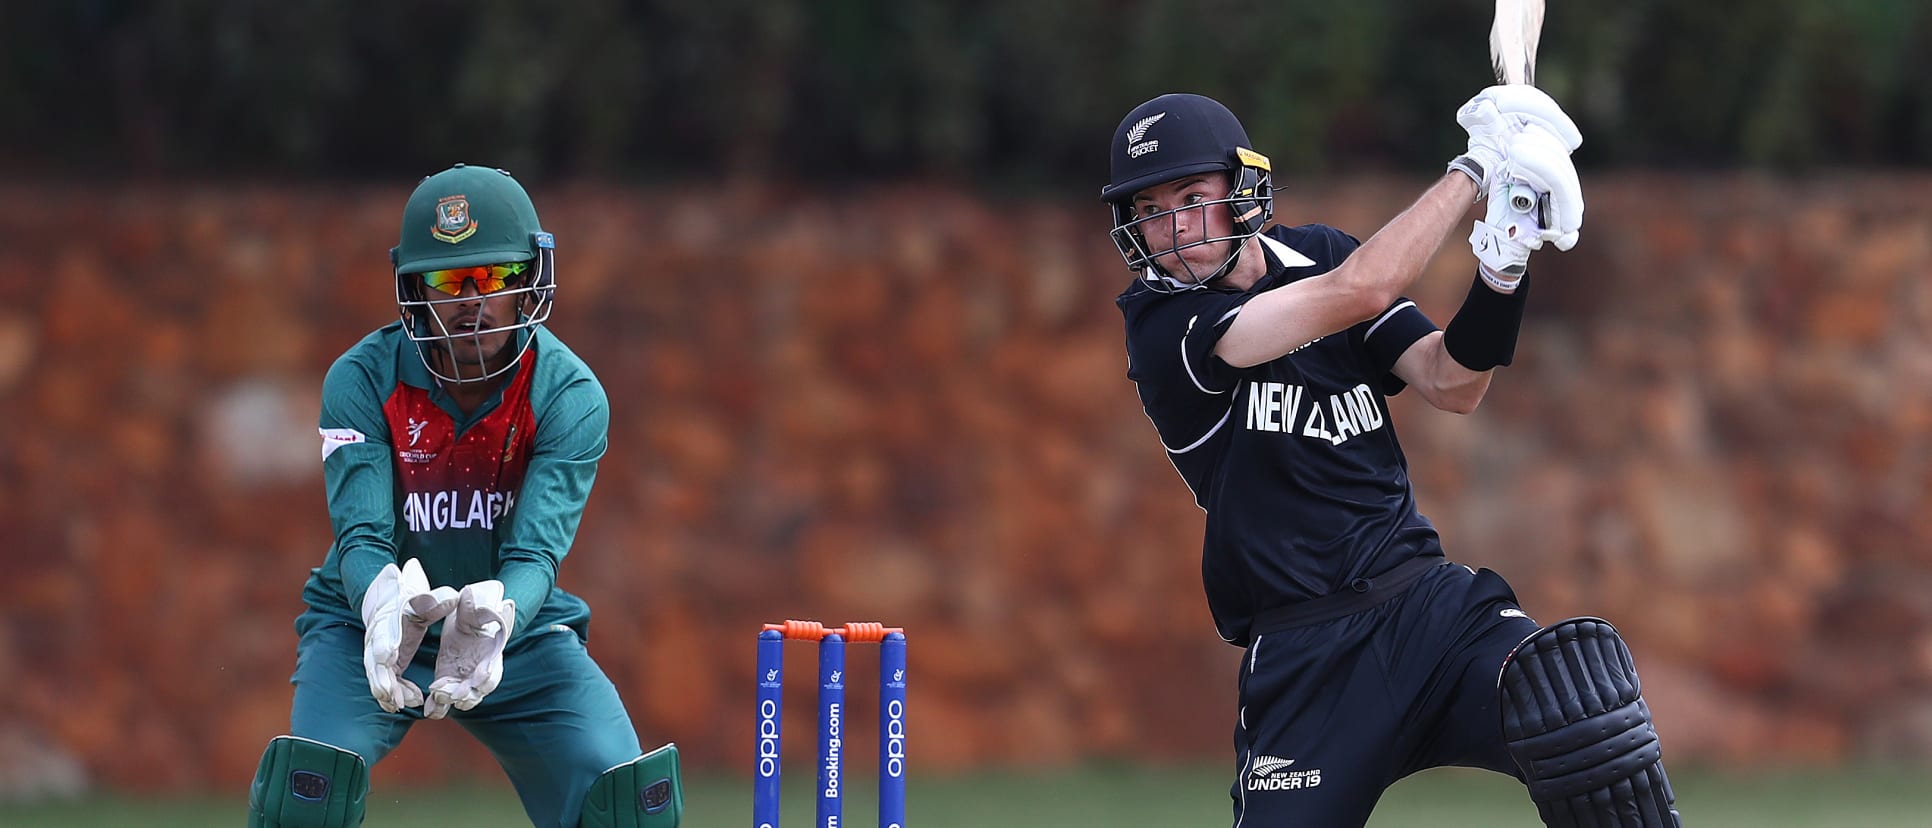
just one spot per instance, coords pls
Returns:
(1482, 335)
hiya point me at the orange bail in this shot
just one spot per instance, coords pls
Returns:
(864, 632)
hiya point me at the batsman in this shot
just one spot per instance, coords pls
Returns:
(1264, 356)
(459, 444)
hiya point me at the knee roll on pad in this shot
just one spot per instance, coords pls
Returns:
(303, 783)
(1575, 721)
(645, 792)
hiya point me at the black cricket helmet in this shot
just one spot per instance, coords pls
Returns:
(1171, 137)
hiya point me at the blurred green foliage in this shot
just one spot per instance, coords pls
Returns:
(1020, 92)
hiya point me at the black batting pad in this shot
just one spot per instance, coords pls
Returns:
(1575, 722)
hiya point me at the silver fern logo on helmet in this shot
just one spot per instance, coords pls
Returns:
(1136, 147)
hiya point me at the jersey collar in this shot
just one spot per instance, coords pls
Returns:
(1282, 256)
(1279, 256)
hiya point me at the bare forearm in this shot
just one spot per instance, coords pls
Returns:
(1445, 383)
(1389, 262)
(1459, 389)
(1454, 387)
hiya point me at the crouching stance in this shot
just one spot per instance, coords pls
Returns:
(459, 444)
(1575, 722)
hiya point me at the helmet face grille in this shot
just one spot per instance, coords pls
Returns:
(434, 339)
(470, 216)
(1250, 203)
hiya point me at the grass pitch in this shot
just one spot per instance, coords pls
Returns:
(1101, 795)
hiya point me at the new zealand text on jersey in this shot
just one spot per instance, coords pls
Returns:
(1277, 406)
(451, 509)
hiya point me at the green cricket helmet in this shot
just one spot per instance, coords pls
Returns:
(476, 218)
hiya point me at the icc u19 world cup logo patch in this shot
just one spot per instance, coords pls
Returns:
(453, 221)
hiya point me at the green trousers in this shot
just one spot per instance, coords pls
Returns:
(554, 724)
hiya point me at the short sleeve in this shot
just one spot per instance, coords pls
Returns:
(1388, 336)
(1171, 340)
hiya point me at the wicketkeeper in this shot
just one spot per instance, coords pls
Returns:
(459, 444)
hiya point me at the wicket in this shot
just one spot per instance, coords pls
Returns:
(831, 716)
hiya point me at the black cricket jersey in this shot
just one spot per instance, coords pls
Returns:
(1294, 460)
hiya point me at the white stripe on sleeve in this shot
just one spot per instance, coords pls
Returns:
(1187, 365)
(1385, 317)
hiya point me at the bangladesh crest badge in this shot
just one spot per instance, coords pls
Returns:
(453, 220)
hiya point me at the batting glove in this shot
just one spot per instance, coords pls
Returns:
(470, 663)
(1496, 114)
(1540, 160)
(1524, 106)
(1503, 239)
(396, 614)
(1488, 133)
(1538, 200)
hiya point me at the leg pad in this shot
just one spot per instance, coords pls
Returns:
(645, 792)
(303, 783)
(1575, 721)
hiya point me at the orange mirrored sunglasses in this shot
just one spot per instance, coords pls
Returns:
(488, 278)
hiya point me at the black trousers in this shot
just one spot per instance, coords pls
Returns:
(1335, 711)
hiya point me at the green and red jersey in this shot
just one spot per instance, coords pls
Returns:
(495, 493)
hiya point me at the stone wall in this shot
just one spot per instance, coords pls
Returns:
(908, 404)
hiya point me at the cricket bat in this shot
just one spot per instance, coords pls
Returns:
(1512, 40)
(1512, 53)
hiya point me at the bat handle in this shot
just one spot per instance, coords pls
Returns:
(1522, 198)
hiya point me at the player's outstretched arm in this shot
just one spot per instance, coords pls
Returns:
(1371, 278)
(1366, 283)
(1452, 369)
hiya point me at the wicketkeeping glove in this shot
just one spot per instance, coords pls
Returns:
(396, 613)
(470, 663)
